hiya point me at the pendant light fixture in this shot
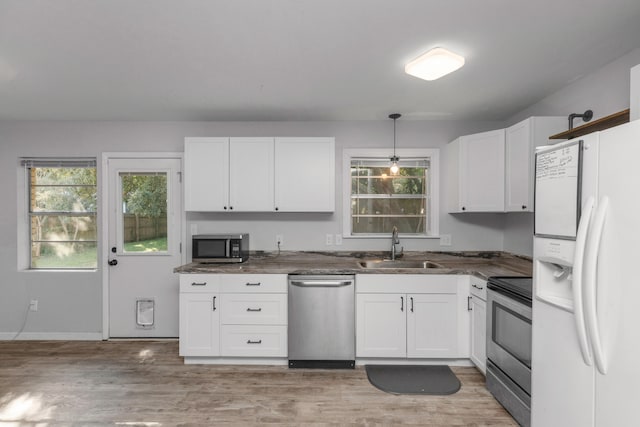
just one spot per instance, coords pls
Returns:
(394, 169)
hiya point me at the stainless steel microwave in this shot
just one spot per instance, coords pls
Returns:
(220, 248)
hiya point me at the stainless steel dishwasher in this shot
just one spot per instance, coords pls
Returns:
(322, 321)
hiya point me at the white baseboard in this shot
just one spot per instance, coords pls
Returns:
(404, 361)
(52, 336)
(193, 360)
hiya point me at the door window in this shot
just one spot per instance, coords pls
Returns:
(144, 212)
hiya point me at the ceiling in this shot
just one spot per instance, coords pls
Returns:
(254, 60)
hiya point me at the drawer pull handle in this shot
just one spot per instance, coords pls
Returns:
(199, 284)
(254, 309)
(478, 287)
(253, 284)
(254, 342)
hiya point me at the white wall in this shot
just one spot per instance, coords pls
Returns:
(71, 302)
(605, 91)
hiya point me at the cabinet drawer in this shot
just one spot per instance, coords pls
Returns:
(254, 309)
(199, 283)
(253, 283)
(478, 288)
(253, 341)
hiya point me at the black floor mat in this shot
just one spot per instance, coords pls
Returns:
(413, 379)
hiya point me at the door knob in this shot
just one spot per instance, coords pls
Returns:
(113, 262)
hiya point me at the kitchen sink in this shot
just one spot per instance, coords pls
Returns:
(387, 263)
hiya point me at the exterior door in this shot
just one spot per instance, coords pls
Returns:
(144, 229)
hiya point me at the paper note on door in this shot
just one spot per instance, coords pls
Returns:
(557, 197)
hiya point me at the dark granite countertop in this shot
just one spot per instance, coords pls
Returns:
(481, 264)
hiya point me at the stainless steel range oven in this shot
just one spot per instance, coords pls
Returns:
(509, 344)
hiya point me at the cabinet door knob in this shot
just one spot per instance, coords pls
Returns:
(411, 304)
(225, 208)
(230, 208)
(464, 209)
(469, 303)
(276, 208)
(524, 206)
(214, 303)
(401, 303)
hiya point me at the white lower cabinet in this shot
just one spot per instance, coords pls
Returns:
(422, 323)
(478, 306)
(254, 324)
(432, 325)
(199, 325)
(381, 324)
(233, 315)
(253, 341)
(199, 315)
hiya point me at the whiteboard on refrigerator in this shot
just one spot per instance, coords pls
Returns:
(557, 191)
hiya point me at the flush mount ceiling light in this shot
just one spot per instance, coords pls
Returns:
(434, 64)
(394, 169)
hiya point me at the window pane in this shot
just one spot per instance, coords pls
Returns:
(64, 255)
(144, 211)
(394, 206)
(63, 228)
(377, 225)
(63, 176)
(63, 199)
(62, 202)
(380, 201)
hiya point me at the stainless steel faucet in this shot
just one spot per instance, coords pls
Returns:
(394, 241)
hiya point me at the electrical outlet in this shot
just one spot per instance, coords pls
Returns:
(338, 239)
(33, 305)
(445, 240)
(279, 240)
(329, 239)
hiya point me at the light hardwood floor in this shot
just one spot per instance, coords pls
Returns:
(146, 383)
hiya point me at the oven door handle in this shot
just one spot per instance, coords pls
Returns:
(578, 282)
(591, 263)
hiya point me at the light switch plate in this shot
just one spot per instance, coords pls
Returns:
(445, 240)
(329, 239)
(338, 239)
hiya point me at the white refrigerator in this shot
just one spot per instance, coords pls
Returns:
(586, 306)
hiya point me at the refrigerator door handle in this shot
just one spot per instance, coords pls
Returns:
(591, 263)
(578, 283)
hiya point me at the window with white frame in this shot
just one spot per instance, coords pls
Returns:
(61, 197)
(379, 200)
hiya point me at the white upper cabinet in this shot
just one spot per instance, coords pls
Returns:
(521, 140)
(260, 174)
(251, 174)
(476, 172)
(206, 174)
(305, 174)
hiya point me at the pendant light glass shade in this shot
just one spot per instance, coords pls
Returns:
(394, 168)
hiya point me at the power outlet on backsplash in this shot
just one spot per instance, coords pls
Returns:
(445, 240)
